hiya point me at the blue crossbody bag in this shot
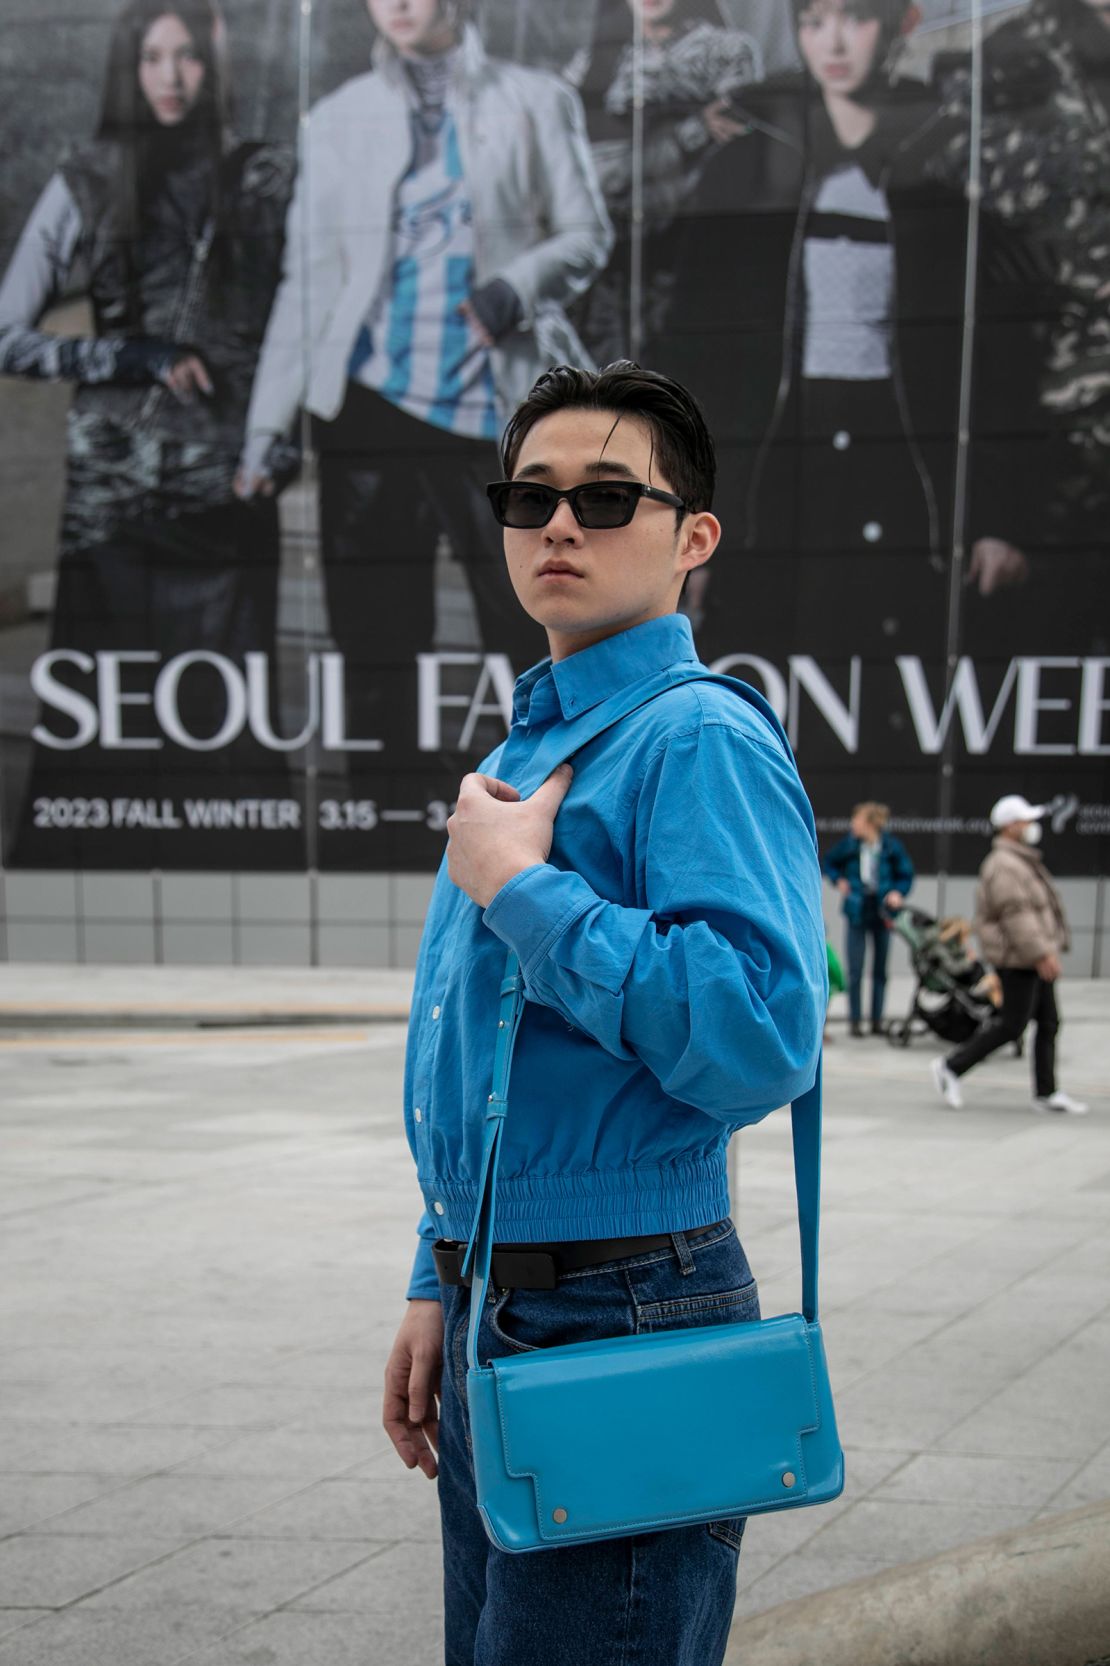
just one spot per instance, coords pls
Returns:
(632, 1434)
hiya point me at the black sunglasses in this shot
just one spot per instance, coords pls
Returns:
(596, 504)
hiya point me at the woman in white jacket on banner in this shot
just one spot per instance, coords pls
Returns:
(446, 211)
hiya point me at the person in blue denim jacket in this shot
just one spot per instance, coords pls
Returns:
(873, 873)
(662, 893)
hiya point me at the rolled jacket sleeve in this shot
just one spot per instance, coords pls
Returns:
(718, 984)
(562, 265)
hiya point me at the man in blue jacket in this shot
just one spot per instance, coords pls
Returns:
(663, 896)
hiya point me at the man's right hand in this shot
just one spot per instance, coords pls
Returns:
(1048, 968)
(843, 886)
(413, 1372)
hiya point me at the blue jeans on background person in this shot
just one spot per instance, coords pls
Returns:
(660, 1599)
(871, 926)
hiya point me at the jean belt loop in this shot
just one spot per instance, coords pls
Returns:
(682, 1250)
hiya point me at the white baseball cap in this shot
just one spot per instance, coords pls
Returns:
(1015, 808)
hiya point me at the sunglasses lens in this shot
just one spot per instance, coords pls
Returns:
(606, 504)
(525, 505)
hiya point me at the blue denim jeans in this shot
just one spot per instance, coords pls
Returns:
(656, 1599)
(871, 927)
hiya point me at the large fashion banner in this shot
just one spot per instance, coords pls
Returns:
(274, 276)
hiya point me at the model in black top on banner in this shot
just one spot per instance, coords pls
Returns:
(150, 748)
(826, 336)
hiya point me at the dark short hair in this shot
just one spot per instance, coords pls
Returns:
(890, 13)
(683, 446)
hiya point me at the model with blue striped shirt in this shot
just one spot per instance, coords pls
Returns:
(446, 211)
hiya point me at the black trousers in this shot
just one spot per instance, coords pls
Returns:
(206, 580)
(390, 487)
(1026, 999)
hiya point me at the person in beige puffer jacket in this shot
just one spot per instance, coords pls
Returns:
(1023, 930)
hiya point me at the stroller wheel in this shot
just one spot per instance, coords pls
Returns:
(898, 1033)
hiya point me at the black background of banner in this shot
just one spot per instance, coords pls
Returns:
(869, 637)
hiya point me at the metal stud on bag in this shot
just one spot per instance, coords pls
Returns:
(559, 1515)
(789, 1478)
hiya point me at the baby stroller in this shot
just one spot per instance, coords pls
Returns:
(947, 998)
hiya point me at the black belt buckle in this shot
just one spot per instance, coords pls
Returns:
(510, 1269)
(449, 1259)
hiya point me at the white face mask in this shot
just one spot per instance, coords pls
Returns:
(1031, 833)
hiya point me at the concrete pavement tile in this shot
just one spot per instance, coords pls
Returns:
(18, 1619)
(96, 1637)
(36, 1448)
(297, 1450)
(782, 1532)
(1046, 1308)
(1057, 1408)
(955, 1282)
(255, 1574)
(936, 1477)
(356, 1370)
(907, 1415)
(904, 1532)
(48, 1570)
(377, 1467)
(983, 1356)
(119, 1362)
(372, 1587)
(92, 1400)
(858, 1342)
(256, 1405)
(1089, 1485)
(864, 1470)
(30, 1500)
(293, 1638)
(176, 1506)
(407, 1508)
(35, 1196)
(795, 1576)
(1018, 1424)
(753, 1565)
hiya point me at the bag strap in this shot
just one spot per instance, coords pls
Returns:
(805, 1127)
(805, 1113)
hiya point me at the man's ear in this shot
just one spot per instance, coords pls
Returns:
(700, 534)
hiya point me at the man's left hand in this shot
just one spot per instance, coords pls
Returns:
(893, 900)
(494, 834)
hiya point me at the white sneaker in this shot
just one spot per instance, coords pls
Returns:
(1062, 1104)
(947, 1085)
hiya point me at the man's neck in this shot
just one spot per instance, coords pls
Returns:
(562, 644)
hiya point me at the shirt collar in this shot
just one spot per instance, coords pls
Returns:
(583, 680)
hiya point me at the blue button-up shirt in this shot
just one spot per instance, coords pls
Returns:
(673, 954)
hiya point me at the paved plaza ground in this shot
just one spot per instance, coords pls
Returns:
(207, 1233)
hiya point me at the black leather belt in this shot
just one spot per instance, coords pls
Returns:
(537, 1266)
